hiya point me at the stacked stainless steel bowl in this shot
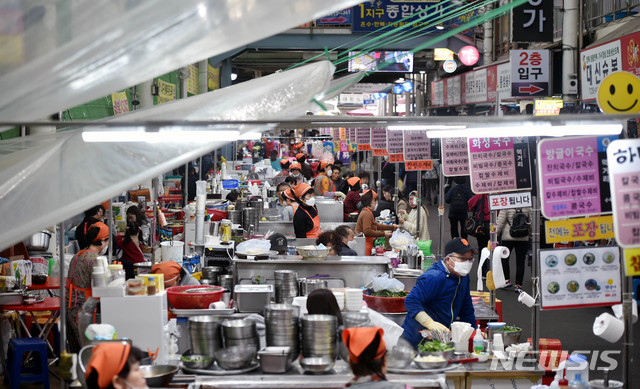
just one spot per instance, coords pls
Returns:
(282, 327)
(235, 215)
(257, 204)
(240, 332)
(286, 283)
(319, 336)
(355, 319)
(204, 335)
(250, 216)
(211, 275)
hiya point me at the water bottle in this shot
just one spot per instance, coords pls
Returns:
(578, 383)
(478, 342)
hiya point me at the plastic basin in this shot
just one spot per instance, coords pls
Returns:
(181, 299)
(385, 304)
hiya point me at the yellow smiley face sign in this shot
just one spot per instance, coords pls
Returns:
(619, 93)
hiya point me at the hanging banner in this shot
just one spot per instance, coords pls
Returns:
(580, 277)
(417, 146)
(509, 200)
(343, 133)
(530, 73)
(632, 262)
(352, 136)
(573, 176)
(363, 139)
(379, 138)
(455, 157)
(499, 164)
(395, 141)
(192, 81)
(623, 160)
(120, 103)
(579, 229)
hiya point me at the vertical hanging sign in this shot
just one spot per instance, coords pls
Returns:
(623, 159)
(417, 150)
(499, 164)
(395, 145)
(455, 157)
(363, 139)
(379, 141)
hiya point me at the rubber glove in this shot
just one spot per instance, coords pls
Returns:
(340, 195)
(429, 323)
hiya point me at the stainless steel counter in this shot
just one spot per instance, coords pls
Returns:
(352, 272)
(287, 227)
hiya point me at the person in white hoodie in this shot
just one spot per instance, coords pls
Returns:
(410, 220)
(518, 244)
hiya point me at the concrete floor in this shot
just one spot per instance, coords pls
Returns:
(572, 326)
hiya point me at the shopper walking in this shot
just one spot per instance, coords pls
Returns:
(458, 197)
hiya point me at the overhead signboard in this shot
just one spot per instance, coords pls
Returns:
(469, 55)
(455, 157)
(372, 15)
(509, 200)
(580, 277)
(596, 64)
(379, 138)
(573, 176)
(437, 93)
(499, 164)
(529, 73)
(381, 61)
(533, 21)
(449, 66)
(340, 18)
(623, 160)
(442, 54)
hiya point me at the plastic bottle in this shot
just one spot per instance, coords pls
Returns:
(563, 383)
(577, 383)
(151, 288)
(97, 276)
(478, 342)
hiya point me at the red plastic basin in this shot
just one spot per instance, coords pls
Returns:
(385, 304)
(180, 299)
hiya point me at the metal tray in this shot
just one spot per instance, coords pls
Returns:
(197, 312)
(216, 370)
(414, 369)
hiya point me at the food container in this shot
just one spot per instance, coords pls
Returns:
(11, 298)
(39, 241)
(142, 267)
(385, 304)
(511, 337)
(158, 375)
(419, 361)
(236, 357)
(275, 359)
(317, 365)
(187, 297)
(252, 298)
(311, 253)
(136, 291)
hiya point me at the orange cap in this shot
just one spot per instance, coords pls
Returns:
(170, 269)
(357, 339)
(104, 230)
(375, 195)
(301, 189)
(108, 359)
(288, 193)
(353, 181)
(295, 166)
(284, 163)
(324, 164)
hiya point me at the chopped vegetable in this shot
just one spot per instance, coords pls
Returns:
(388, 293)
(511, 329)
(430, 358)
(434, 346)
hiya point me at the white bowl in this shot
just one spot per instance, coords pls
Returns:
(481, 357)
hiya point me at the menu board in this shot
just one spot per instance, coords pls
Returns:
(573, 176)
(379, 138)
(416, 145)
(336, 134)
(363, 139)
(395, 143)
(623, 157)
(352, 136)
(499, 164)
(580, 277)
(455, 157)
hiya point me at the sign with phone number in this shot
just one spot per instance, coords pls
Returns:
(577, 230)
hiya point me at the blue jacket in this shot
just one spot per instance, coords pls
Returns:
(443, 296)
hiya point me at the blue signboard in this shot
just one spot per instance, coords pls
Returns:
(340, 18)
(372, 15)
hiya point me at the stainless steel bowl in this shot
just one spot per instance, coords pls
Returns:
(158, 375)
(311, 253)
(195, 361)
(444, 354)
(431, 365)
(39, 241)
(235, 357)
(400, 357)
(239, 329)
(317, 365)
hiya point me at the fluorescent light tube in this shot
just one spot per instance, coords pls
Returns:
(162, 136)
(530, 130)
(425, 127)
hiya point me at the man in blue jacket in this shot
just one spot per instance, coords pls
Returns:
(441, 294)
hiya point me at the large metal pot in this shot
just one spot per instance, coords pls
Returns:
(39, 241)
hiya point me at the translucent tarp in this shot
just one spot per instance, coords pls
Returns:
(45, 179)
(58, 54)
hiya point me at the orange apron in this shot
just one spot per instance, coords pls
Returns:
(73, 290)
(315, 232)
(369, 239)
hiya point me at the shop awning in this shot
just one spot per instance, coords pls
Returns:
(59, 54)
(45, 179)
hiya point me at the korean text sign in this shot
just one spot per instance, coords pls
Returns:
(623, 158)
(499, 164)
(372, 15)
(579, 229)
(395, 142)
(533, 21)
(510, 200)
(455, 157)
(573, 176)
(580, 277)
(596, 64)
(530, 72)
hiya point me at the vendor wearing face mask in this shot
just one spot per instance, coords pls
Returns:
(78, 286)
(367, 222)
(323, 184)
(410, 220)
(441, 295)
(306, 222)
(296, 170)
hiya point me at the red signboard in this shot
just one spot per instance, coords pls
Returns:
(419, 165)
(396, 158)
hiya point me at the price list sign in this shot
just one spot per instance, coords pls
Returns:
(499, 164)
(379, 141)
(363, 139)
(395, 145)
(573, 176)
(352, 135)
(455, 157)
(623, 157)
(417, 150)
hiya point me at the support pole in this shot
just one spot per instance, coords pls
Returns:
(493, 239)
(379, 181)
(441, 217)
(186, 184)
(63, 306)
(418, 208)
(110, 230)
(396, 189)
(627, 339)
(535, 252)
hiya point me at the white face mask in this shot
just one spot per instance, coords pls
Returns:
(462, 268)
(104, 250)
(310, 202)
(329, 173)
(295, 174)
(352, 244)
(365, 187)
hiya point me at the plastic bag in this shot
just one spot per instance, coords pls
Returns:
(100, 332)
(254, 247)
(392, 331)
(401, 239)
(383, 282)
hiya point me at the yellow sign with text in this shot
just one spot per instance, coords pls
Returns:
(632, 262)
(166, 91)
(579, 229)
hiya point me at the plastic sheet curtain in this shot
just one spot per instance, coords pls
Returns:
(61, 53)
(48, 178)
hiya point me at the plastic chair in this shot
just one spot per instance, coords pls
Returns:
(15, 371)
